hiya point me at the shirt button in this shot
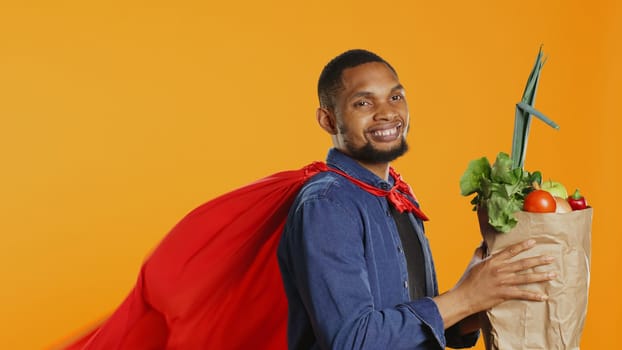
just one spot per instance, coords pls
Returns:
(399, 249)
(406, 284)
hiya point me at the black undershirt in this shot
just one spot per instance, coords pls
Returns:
(413, 251)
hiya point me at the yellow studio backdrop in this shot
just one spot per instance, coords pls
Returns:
(117, 119)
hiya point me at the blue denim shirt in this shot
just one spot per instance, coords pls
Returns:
(345, 273)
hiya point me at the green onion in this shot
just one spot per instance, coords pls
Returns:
(524, 111)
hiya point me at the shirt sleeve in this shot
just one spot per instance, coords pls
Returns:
(327, 260)
(456, 340)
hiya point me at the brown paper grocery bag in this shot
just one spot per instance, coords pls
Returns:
(558, 322)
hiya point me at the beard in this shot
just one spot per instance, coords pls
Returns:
(370, 155)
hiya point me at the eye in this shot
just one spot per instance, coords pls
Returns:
(397, 97)
(362, 103)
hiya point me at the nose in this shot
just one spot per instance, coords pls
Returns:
(386, 112)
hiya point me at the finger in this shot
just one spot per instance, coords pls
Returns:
(516, 249)
(526, 263)
(522, 294)
(534, 277)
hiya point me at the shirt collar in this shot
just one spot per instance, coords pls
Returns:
(345, 163)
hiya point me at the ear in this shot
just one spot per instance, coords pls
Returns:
(326, 119)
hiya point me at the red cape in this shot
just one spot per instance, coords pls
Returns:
(213, 282)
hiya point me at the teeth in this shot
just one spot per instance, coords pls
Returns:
(387, 132)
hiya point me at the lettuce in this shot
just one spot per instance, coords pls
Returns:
(500, 188)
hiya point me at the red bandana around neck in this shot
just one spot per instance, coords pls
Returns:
(397, 195)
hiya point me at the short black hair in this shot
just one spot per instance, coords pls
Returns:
(330, 79)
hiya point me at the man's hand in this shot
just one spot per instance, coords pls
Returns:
(492, 280)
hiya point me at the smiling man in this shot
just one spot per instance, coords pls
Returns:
(355, 262)
(373, 115)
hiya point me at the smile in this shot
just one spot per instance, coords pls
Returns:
(386, 134)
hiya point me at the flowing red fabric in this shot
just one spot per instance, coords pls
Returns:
(214, 282)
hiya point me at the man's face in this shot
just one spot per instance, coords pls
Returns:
(371, 114)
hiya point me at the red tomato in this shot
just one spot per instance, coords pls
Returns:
(539, 201)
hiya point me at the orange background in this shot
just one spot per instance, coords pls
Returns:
(116, 120)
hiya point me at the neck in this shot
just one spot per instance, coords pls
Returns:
(381, 170)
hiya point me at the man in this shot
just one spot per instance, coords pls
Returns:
(356, 267)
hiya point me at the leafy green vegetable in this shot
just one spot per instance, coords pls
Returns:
(501, 212)
(499, 188)
(470, 181)
(502, 170)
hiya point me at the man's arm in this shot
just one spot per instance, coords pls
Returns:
(491, 281)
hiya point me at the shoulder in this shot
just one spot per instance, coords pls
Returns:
(327, 187)
(327, 204)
